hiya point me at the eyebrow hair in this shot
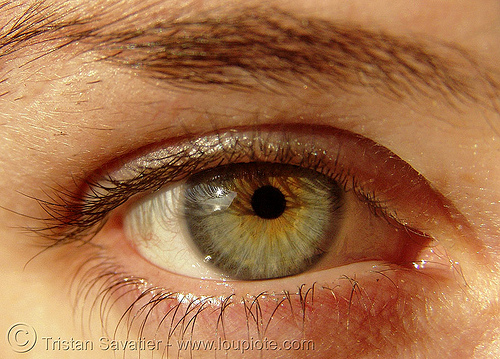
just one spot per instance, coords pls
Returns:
(260, 48)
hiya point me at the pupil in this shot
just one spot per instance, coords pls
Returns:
(268, 202)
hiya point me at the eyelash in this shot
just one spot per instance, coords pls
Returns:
(78, 216)
(104, 276)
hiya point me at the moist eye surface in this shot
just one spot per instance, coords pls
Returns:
(272, 220)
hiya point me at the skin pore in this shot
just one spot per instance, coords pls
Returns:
(87, 87)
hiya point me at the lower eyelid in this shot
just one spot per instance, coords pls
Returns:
(358, 302)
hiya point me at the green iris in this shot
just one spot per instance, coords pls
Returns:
(262, 220)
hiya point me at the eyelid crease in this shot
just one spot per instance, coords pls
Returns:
(378, 177)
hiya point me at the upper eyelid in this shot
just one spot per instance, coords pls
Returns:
(88, 207)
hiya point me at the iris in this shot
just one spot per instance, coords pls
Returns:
(262, 220)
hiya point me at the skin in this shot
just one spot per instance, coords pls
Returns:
(63, 117)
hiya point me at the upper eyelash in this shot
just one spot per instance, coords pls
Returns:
(79, 215)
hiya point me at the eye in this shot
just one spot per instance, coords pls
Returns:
(275, 232)
(249, 221)
(252, 204)
(260, 220)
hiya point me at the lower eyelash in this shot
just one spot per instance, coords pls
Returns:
(145, 305)
(101, 287)
(108, 283)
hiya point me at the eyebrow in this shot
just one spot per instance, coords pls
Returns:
(260, 48)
